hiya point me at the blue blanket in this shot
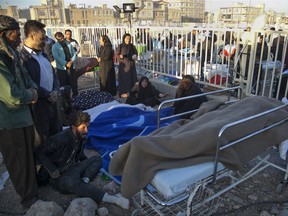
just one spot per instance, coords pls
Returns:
(120, 124)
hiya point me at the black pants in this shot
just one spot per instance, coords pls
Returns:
(68, 77)
(46, 120)
(70, 181)
(16, 146)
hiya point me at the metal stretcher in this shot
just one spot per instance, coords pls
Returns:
(190, 190)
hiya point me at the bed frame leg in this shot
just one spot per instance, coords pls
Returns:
(282, 185)
(190, 199)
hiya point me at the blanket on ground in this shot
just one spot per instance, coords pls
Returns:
(119, 124)
(188, 142)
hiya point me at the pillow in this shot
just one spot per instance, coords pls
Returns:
(91, 98)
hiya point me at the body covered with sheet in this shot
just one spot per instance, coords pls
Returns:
(188, 142)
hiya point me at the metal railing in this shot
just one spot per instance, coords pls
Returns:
(216, 57)
(162, 104)
(221, 146)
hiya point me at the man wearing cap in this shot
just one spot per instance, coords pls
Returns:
(18, 92)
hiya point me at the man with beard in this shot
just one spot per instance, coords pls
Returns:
(66, 166)
(42, 73)
(72, 41)
(18, 92)
(65, 57)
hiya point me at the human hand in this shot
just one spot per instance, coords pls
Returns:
(161, 95)
(55, 174)
(35, 95)
(69, 64)
(134, 57)
(121, 56)
(53, 97)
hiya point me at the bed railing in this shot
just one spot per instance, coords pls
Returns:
(224, 128)
(228, 90)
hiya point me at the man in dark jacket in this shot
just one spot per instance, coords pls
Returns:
(48, 48)
(39, 67)
(18, 92)
(67, 167)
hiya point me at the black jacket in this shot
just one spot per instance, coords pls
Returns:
(189, 104)
(60, 151)
(147, 96)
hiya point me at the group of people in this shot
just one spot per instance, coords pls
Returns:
(30, 88)
(28, 100)
(126, 55)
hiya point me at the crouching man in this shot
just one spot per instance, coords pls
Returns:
(66, 167)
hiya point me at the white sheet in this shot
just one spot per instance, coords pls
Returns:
(173, 182)
(95, 111)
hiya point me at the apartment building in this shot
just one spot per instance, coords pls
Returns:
(191, 11)
(10, 11)
(88, 16)
(50, 12)
(239, 14)
(156, 12)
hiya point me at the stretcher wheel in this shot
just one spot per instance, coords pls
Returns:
(137, 212)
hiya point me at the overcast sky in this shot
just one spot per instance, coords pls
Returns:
(211, 5)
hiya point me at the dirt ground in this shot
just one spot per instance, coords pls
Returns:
(256, 196)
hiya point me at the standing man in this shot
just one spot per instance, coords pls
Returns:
(65, 57)
(67, 167)
(48, 48)
(72, 41)
(41, 71)
(18, 92)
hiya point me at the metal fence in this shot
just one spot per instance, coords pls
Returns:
(215, 57)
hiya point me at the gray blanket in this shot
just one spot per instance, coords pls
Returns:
(188, 142)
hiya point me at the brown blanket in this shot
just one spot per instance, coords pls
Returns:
(188, 142)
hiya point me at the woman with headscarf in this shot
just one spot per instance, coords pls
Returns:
(188, 87)
(106, 66)
(144, 92)
(127, 75)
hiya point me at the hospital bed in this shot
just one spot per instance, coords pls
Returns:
(190, 190)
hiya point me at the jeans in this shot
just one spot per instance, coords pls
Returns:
(71, 181)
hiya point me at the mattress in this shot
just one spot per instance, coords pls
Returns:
(172, 182)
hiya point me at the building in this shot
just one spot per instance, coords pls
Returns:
(87, 16)
(11, 11)
(191, 11)
(156, 12)
(239, 14)
(50, 12)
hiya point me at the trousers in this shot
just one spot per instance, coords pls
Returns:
(16, 146)
(71, 182)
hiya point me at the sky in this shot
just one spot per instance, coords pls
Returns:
(211, 5)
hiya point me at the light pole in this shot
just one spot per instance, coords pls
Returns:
(128, 8)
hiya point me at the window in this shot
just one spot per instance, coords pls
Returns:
(52, 13)
(41, 13)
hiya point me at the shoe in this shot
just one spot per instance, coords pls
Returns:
(123, 202)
